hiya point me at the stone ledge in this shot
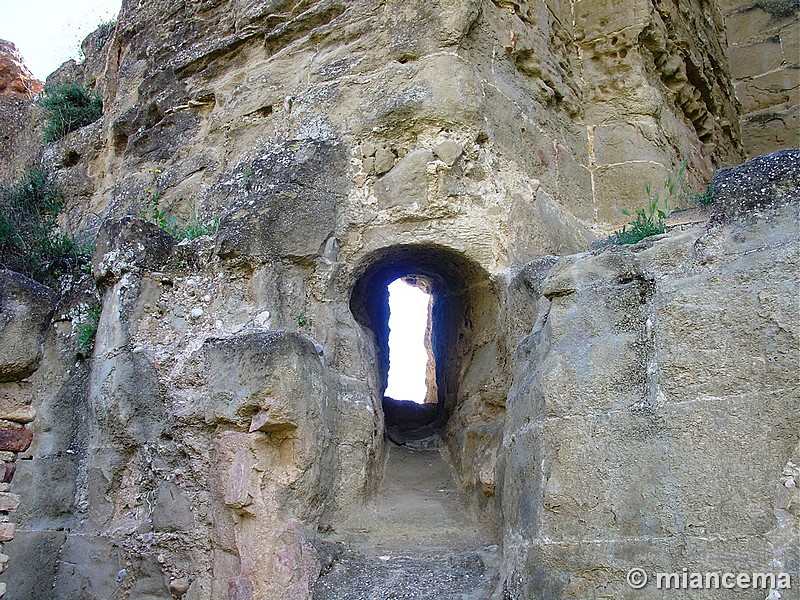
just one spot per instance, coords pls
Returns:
(16, 401)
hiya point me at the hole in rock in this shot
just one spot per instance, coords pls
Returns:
(71, 158)
(411, 360)
(460, 302)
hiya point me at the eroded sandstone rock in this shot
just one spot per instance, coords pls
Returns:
(762, 48)
(15, 78)
(230, 414)
(25, 310)
(648, 366)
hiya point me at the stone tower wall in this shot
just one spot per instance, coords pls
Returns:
(764, 52)
(230, 410)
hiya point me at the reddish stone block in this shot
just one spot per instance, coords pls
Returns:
(15, 440)
(7, 471)
(240, 588)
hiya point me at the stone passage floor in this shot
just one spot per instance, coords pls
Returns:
(416, 540)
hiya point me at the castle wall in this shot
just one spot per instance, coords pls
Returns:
(229, 411)
(763, 42)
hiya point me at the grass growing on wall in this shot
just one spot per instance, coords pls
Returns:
(660, 203)
(68, 107)
(87, 329)
(649, 221)
(30, 241)
(194, 227)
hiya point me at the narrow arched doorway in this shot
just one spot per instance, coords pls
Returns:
(425, 502)
(461, 303)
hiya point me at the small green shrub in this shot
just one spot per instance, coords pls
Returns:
(704, 198)
(194, 228)
(104, 32)
(85, 331)
(155, 214)
(303, 321)
(673, 186)
(649, 221)
(30, 242)
(68, 107)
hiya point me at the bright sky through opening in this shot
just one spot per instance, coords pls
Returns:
(408, 358)
(49, 32)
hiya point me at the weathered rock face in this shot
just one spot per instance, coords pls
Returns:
(763, 38)
(15, 78)
(25, 310)
(17, 88)
(554, 122)
(231, 411)
(653, 419)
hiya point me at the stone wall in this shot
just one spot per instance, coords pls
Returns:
(25, 311)
(230, 409)
(764, 52)
(656, 90)
(653, 419)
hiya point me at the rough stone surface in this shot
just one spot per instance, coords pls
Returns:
(7, 472)
(15, 78)
(8, 502)
(769, 181)
(595, 410)
(457, 577)
(6, 532)
(15, 439)
(645, 367)
(20, 139)
(16, 401)
(25, 311)
(763, 38)
(129, 244)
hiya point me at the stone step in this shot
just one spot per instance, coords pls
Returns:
(418, 509)
(351, 575)
(415, 540)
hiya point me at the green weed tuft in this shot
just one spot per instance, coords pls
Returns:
(704, 198)
(68, 107)
(104, 32)
(660, 203)
(649, 221)
(86, 331)
(194, 228)
(30, 242)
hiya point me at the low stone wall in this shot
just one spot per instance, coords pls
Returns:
(25, 310)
